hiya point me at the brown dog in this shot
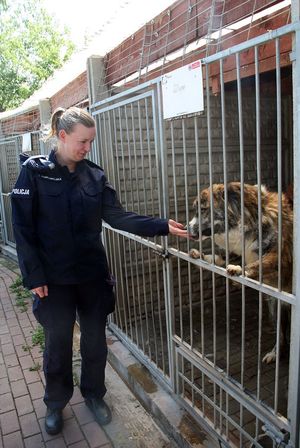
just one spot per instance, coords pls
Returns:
(269, 236)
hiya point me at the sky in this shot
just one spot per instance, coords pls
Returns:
(88, 17)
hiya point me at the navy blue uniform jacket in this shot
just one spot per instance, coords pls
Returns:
(57, 220)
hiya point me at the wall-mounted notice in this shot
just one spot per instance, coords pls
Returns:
(26, 142)
(182, 91)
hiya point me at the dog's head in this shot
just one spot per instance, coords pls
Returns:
(202, 219)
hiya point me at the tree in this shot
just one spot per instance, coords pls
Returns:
(31, 47)
(2, 4)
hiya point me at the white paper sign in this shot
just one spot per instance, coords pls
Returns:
(26, 142)
(182, 91)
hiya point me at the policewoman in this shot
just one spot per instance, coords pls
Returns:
(58, 205)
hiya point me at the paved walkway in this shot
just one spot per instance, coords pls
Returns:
(21, 384)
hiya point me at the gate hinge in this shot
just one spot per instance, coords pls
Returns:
(280, 437)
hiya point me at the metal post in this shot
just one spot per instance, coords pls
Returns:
(294, 382)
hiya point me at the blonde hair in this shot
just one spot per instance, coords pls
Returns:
(67, 119)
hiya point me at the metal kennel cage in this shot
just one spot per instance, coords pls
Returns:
(203, 335)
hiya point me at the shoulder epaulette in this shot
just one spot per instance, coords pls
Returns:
(37, 163)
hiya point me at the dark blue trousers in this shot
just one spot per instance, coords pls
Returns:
(92, 302)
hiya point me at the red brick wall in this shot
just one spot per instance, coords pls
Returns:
(70, 95)
(19, 124)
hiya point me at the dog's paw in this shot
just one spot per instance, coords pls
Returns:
(234, 269)
(269, 357)
(194, 253)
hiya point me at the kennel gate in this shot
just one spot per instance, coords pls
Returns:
(10, 148)
(203, 337)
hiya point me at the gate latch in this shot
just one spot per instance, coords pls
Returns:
(161, 253)
(280, 437)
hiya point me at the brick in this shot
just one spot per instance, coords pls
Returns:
(6, 403)
(94, 435)
(10, 316)
(26, 362)
(19, 388)
(68, 412)
(13, 440)
(6, 339)
(15, 373)
(36, 390)
(42, 375)
(11, 360)
(31, 376)
(24, 320)
(29, 424)
(83, 414)
(71, 431)
(18, 340)
(12, 322)
(81, 444)
(77, 397)
(3, 371)
(4, 386)
(9, 422)
(36, 352)
(20, 351)
(15, 330)
(8, 349)
(27, 331)
(34, 441)
(57, 443)
(39, 407)
(23, 405)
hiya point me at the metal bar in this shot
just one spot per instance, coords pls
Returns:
(177, 218)
(200, 415)
(258, 171)
(128, 92)
(241, 139)
(271, 35)
(127, 306)
(186, 198)
(124, 103)
(153, 368)
(279, 181)
(145, 211)
(294, 383)
(132, 207)
(224, 148)
(139, 211)
(285, 297)
(279, 158)
(209, 142)
(233, 390)
(118, 273)
(165, 207)
(148, 243)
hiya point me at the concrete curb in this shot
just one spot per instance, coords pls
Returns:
(165, 410)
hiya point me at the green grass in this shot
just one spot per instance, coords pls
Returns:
(22, 294)
(36, 366)
(38, 337)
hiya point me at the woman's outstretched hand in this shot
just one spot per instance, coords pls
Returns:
(175, 228)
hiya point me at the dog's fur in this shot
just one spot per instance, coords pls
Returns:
(269, 217)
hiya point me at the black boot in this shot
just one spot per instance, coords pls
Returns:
(100, 410)
(53, 421)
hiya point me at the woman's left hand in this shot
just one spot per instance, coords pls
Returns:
(175, 228)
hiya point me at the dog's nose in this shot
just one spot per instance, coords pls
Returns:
(192, 231)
